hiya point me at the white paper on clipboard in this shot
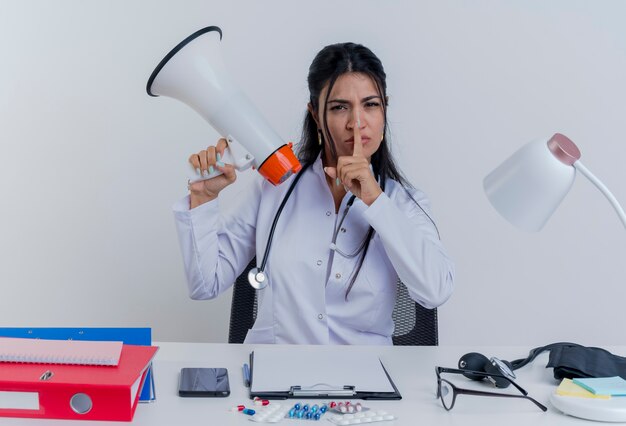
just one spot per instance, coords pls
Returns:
(277, 369)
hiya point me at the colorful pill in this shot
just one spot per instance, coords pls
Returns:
(300, 413)
(350, 408)
(323, 408)
(332, 404)
(305, 407)
(292, 412)
(297, 406)
(309, 414)
(317, 415)
(261, 401)
(237, 408)
(358, 407)
(248, 411)
(314, 408)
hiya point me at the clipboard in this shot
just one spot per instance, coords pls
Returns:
(319, 373)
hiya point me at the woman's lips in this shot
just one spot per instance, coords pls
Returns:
(364, 140)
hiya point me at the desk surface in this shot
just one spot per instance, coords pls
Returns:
(412, 369)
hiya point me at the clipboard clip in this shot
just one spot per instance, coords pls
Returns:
(322, 389)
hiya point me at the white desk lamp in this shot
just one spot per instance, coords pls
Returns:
(529, 186)
(526, 189)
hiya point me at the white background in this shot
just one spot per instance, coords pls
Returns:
(90, 165)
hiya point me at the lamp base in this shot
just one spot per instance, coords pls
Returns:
(602, 410)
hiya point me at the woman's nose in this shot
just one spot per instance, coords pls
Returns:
(355, 119)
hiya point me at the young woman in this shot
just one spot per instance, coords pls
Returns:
(350, 228)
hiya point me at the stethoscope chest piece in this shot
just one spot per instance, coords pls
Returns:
(257, 279)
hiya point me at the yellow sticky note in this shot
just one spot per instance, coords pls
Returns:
(569, 388)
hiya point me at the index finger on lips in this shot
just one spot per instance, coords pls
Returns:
(358, 144)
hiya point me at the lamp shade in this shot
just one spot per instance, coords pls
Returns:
(529, 186)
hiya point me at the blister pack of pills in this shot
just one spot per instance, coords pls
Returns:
(272, 413)
(306, 411)
(362, 417)
(346, 407)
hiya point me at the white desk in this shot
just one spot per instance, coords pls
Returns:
(411, 368)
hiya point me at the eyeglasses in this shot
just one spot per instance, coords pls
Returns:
(447, 392)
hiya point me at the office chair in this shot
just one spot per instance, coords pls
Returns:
(414, 324)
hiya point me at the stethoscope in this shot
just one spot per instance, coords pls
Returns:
(256, 276)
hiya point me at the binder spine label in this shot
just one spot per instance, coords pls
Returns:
(19, 400)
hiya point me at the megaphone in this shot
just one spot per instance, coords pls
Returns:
(193, 72)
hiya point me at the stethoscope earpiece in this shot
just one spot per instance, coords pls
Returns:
(257, 279)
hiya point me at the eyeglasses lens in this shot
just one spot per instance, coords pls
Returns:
(447, 394)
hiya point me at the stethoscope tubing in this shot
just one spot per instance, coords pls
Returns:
(277, 216)
(256, 276)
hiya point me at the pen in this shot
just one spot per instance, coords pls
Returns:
(246, 375)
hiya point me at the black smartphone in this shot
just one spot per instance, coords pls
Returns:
(203, 382)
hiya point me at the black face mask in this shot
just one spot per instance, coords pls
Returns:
(581, 361)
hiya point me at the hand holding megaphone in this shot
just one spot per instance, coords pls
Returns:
(205, 165)
(209, 174)
(193, 73)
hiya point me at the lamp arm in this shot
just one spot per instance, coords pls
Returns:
(620, 212)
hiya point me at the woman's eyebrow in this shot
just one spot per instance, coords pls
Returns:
(339, 101)
(344, 101)
(369, 98)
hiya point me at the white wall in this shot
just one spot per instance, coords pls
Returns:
(91, 165)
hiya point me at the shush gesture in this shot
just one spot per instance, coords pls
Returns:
(353, 172)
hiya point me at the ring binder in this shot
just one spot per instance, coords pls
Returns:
(79, 392)
(128, 335)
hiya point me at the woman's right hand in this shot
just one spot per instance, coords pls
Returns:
(206, 160)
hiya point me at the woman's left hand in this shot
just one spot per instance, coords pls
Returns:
(355, 174)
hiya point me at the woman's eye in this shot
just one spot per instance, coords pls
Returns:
(338, 107)
(372, 104)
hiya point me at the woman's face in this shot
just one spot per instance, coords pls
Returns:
(353, 96)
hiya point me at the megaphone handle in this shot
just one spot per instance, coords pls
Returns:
(234, 154)
(227, 158)
(242, 159)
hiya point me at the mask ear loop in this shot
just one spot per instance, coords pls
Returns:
(256, 276)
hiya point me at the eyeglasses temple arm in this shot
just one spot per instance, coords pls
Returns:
(500, 395)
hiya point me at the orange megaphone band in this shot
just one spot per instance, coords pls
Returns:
(280, 165)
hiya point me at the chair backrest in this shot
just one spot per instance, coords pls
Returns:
(414, 324)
